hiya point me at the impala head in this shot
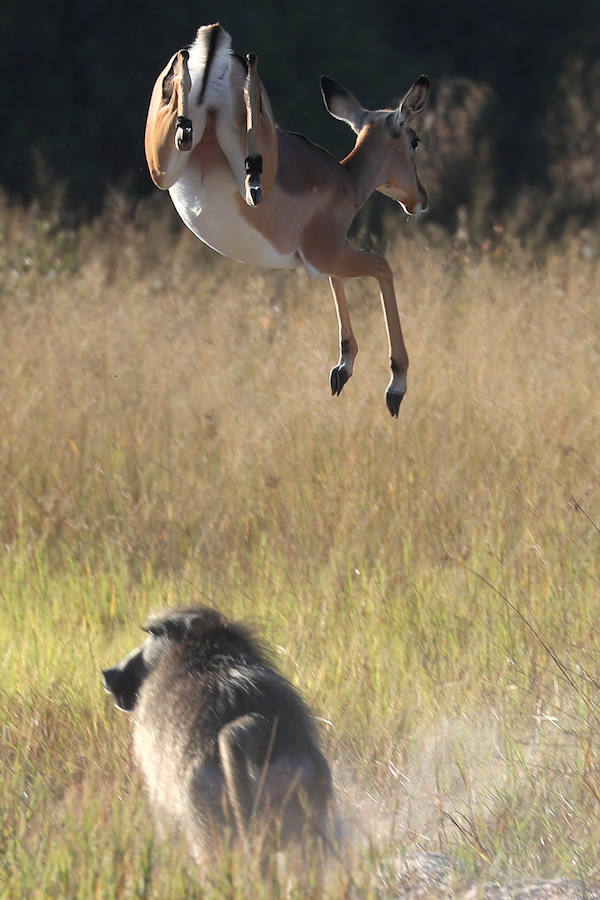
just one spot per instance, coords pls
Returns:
(390, 137)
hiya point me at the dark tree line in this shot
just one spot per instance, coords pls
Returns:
(77, 74)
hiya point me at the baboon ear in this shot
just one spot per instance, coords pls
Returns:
(342, 104)
(171, 627)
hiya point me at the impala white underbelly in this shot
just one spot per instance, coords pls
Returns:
(209, 208)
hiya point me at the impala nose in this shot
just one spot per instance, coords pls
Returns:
(422, 202)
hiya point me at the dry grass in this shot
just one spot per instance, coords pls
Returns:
(432, 583)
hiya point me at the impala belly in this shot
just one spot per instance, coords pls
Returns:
(208, 202)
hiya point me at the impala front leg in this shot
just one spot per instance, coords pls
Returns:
(348, 347)
(396, 389)
(352, 263)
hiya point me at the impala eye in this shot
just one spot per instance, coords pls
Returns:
(415, 142)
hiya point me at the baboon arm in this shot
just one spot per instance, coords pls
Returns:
(240, 745)
(292, 784)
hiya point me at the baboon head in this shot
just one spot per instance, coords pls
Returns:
(165, 632)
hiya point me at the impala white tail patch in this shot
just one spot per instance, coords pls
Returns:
(212, 48)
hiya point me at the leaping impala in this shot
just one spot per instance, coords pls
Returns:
(273, 198)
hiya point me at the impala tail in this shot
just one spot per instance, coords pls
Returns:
(209, 66)
(204, 71)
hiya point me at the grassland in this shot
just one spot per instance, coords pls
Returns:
(432, 584)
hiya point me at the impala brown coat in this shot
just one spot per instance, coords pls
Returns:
(302, 204)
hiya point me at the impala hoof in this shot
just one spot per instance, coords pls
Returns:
(183, 134)
(393, 401)
(253, 166)
(254, 194)
(396, 390)
(338, 377)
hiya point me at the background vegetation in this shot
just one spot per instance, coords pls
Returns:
(431, 584)
(77, 78)
(167, 436)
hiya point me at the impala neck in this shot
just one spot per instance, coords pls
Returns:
(365, 166)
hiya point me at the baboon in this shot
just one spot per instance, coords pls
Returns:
(228, 749)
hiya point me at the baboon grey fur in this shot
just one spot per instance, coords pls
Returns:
(227, 747)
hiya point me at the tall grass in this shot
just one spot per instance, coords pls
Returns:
(431, 584)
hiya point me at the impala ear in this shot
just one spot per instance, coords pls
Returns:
(415, 100)
(342, 104)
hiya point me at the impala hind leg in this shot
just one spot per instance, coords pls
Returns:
(170, 134)
(340, 374)
(184, 134)
(247, 134)
(253, 164)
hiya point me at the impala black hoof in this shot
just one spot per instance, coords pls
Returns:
(183, 133)
(393, 400)
(253, 168)
(338, 377)
(254, 194)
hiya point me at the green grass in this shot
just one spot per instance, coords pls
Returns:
(430, 584)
